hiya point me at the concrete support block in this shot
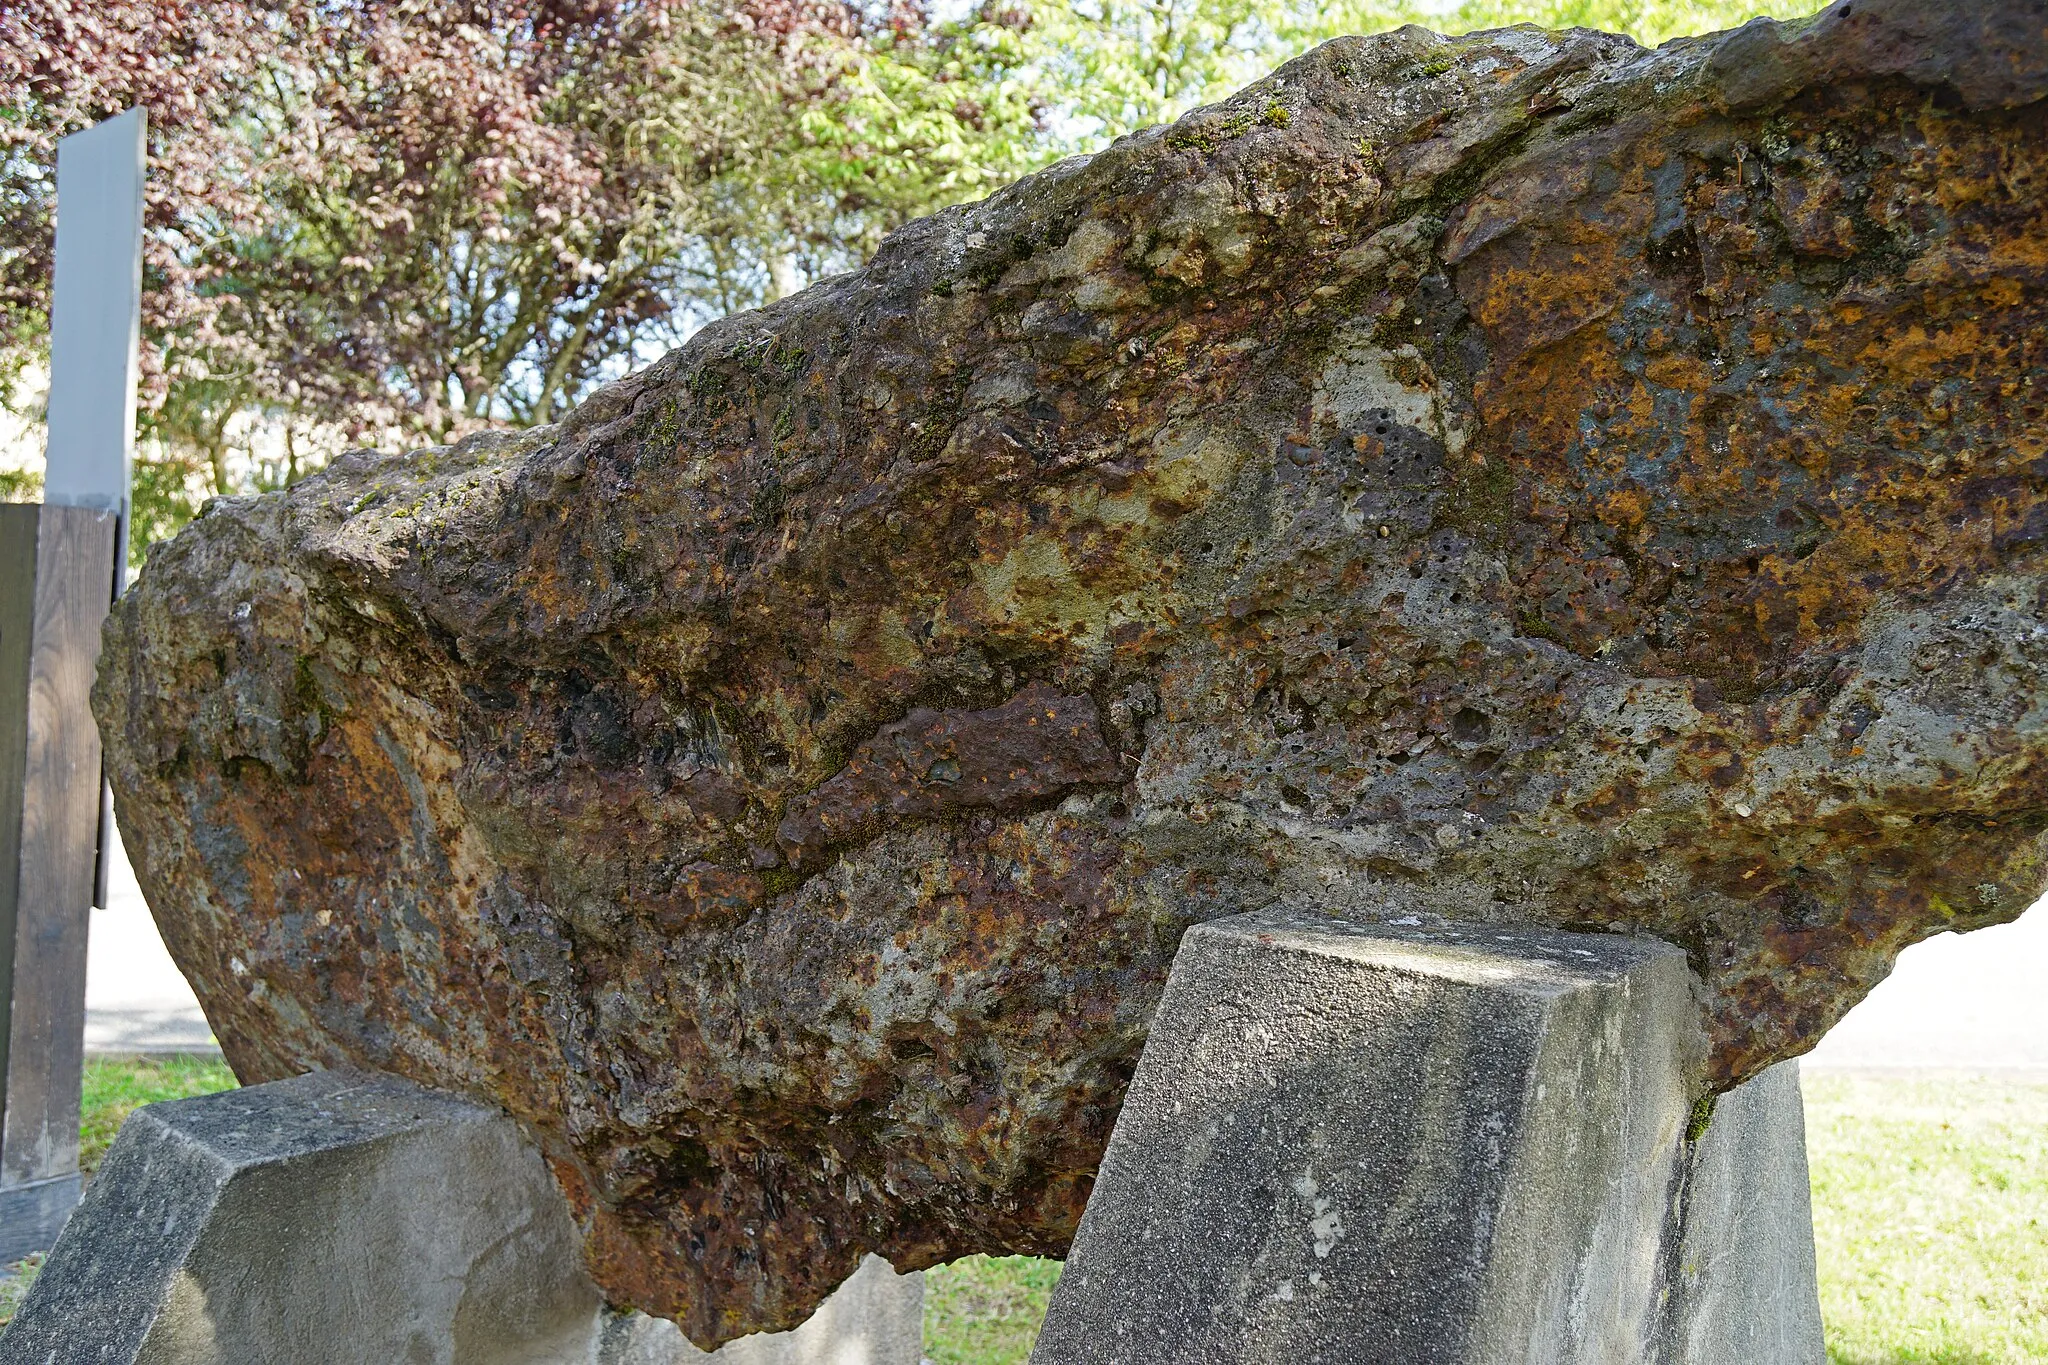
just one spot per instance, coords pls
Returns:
(346, 1219)
(1352, 1142)
(1743, 1284)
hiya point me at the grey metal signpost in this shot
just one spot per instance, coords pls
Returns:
(59, 568)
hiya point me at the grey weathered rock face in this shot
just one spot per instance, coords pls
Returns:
(1522, 477)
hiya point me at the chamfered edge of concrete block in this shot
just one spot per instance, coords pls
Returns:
(1535, 963)
(1742, 1283)
(134, 1226)
(1445, 1055)
(1574, 1264)
(332, 1192)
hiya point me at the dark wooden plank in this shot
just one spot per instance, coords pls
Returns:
(18, 522)
(59, 837)
(31, 1216)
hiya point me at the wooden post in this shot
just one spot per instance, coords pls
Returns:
(53, 563)
(60, 566)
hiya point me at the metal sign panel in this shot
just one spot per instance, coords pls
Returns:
(95, 316)
(95, 338)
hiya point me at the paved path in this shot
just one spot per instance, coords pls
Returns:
(135, 998)
(1970, 1002)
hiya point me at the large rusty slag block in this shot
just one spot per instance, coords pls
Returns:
(1519, 478)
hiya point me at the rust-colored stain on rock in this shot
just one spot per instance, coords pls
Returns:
(1521, 478)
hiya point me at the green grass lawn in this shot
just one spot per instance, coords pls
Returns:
(1930, 1216)
(1930, 1211)
(985, 1310)
(114, 1090)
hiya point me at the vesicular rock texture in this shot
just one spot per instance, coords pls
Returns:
(1521, 478)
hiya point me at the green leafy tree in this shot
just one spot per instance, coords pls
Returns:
(1121, 65)
(399, 220)
(1114, 66)
(1649, 22)
(710, 161)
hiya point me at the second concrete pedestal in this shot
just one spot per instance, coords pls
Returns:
(349, 1219)
(1353, 1142)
